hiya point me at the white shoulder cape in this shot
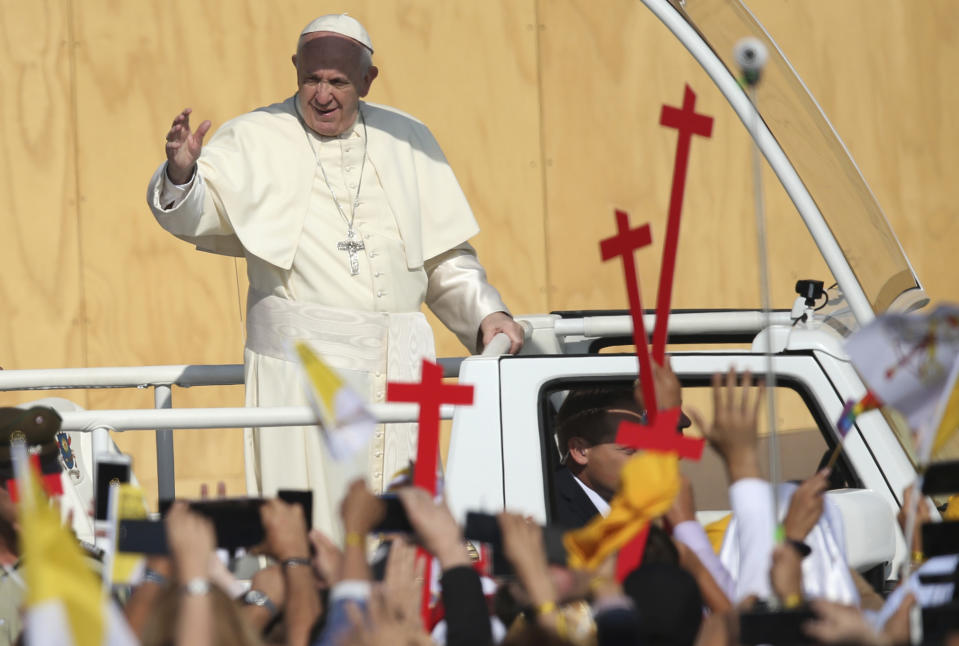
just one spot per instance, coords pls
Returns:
(259, 171)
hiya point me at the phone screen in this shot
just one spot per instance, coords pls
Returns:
(109, 473)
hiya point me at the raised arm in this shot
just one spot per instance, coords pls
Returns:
(183, 147)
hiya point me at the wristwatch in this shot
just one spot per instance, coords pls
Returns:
(196, 587)
(257, 598)
(801, 548)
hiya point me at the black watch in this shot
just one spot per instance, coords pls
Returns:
(800, 547)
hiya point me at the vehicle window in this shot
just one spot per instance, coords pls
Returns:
(803, 444)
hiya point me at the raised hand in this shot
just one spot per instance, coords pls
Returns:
(183, 147)
(922, 517)
(328, 559)
(360, 510)
(435, 527)
(191, 540)
(785, 575)
(285, 529)
(734, 432)
(669, 394)
(805, 508)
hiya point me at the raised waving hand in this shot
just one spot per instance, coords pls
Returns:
(183, 147)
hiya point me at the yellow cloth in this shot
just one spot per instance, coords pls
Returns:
(650, 482)
(952, 509)
(54, 568)
(716, 530)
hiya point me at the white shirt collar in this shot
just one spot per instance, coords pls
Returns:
(601, 505)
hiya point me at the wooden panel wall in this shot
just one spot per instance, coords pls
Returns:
(547, 109)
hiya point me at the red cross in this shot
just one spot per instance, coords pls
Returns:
(430, 394)
(689, 123)
(661, 436)
(624, 243)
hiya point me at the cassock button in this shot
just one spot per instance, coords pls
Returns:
(377, 275)
(378, 454)
(380, 293)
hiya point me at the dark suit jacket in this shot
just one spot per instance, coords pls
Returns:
(572, 508)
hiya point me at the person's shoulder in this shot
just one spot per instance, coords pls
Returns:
(388, 117)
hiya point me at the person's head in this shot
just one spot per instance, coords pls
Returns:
(586, 427)
(668, 602)
(229, 627)
(334, 69)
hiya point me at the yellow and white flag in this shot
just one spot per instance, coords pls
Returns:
(64, 601)
(345, 421)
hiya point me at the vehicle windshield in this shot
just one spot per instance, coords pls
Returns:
(821, 160)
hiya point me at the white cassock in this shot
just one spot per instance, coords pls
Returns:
(260, 192)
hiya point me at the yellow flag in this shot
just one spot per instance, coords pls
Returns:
(346, 423)
(55, 570)
(650, 482)
(130, 506)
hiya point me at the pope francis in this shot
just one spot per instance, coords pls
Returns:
(349, 218)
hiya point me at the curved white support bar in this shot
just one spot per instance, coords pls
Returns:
(773, 152)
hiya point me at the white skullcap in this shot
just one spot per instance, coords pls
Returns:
(340, 23)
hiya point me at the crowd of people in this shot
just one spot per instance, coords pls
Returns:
(308, 590)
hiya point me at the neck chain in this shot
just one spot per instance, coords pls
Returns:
(359, 182)
(351, 245)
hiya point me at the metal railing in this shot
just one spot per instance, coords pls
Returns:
(163, 418)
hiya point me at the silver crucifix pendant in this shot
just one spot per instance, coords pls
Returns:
(351, 246)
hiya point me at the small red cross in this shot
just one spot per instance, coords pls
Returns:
(430, 393)
(661, 436)
(624, 243)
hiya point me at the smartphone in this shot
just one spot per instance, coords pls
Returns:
(236, 521)
(395, 520)
(484, 528)
(774, 627)
(112, 469)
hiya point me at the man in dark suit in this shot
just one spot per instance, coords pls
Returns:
(586, 428)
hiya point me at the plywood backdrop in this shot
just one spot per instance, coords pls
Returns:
(547, 110)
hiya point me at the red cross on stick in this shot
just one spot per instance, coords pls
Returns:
(430, 394)
(688, 123)
(624, 243)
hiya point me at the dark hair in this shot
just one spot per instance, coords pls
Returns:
(668, 602)
(585, 414)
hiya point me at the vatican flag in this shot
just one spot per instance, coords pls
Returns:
(65, 603)
(345, 421)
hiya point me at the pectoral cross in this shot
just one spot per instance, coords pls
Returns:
(351, 246)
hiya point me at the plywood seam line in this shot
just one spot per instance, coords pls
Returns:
(72, 43)
(543, 161)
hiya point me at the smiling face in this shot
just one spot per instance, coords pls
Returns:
(332, 73)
